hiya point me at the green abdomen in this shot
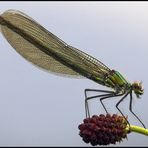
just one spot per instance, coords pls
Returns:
(115, 79)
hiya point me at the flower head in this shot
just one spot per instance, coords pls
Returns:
(103, 130)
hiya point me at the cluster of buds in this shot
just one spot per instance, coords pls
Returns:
(103, 130)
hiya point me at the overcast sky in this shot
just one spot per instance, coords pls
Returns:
(41, 109)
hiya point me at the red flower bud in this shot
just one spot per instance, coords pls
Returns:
(103, 130)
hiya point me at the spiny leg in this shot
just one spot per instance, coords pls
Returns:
(98, 90)
(104, 96)
(130, 108)
(111, 95)
(88, 98)
(119, 109)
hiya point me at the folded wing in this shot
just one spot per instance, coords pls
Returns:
(47, 51)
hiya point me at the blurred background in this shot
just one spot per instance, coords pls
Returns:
(41, 109)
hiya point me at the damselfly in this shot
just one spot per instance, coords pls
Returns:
(47, 51)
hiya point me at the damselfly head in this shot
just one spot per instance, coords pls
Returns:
(137, 88)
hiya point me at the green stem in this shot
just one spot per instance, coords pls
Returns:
(137, 129)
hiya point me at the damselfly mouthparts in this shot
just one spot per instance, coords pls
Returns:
(44, 49)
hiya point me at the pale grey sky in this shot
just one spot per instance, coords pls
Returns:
(41, 109)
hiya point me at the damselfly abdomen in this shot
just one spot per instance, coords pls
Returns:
(44, 49)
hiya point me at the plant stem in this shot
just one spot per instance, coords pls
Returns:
(137, 129)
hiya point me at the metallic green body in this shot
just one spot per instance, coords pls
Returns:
(115, 80)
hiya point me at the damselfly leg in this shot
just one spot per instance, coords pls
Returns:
(107, 94)
(130, 107)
